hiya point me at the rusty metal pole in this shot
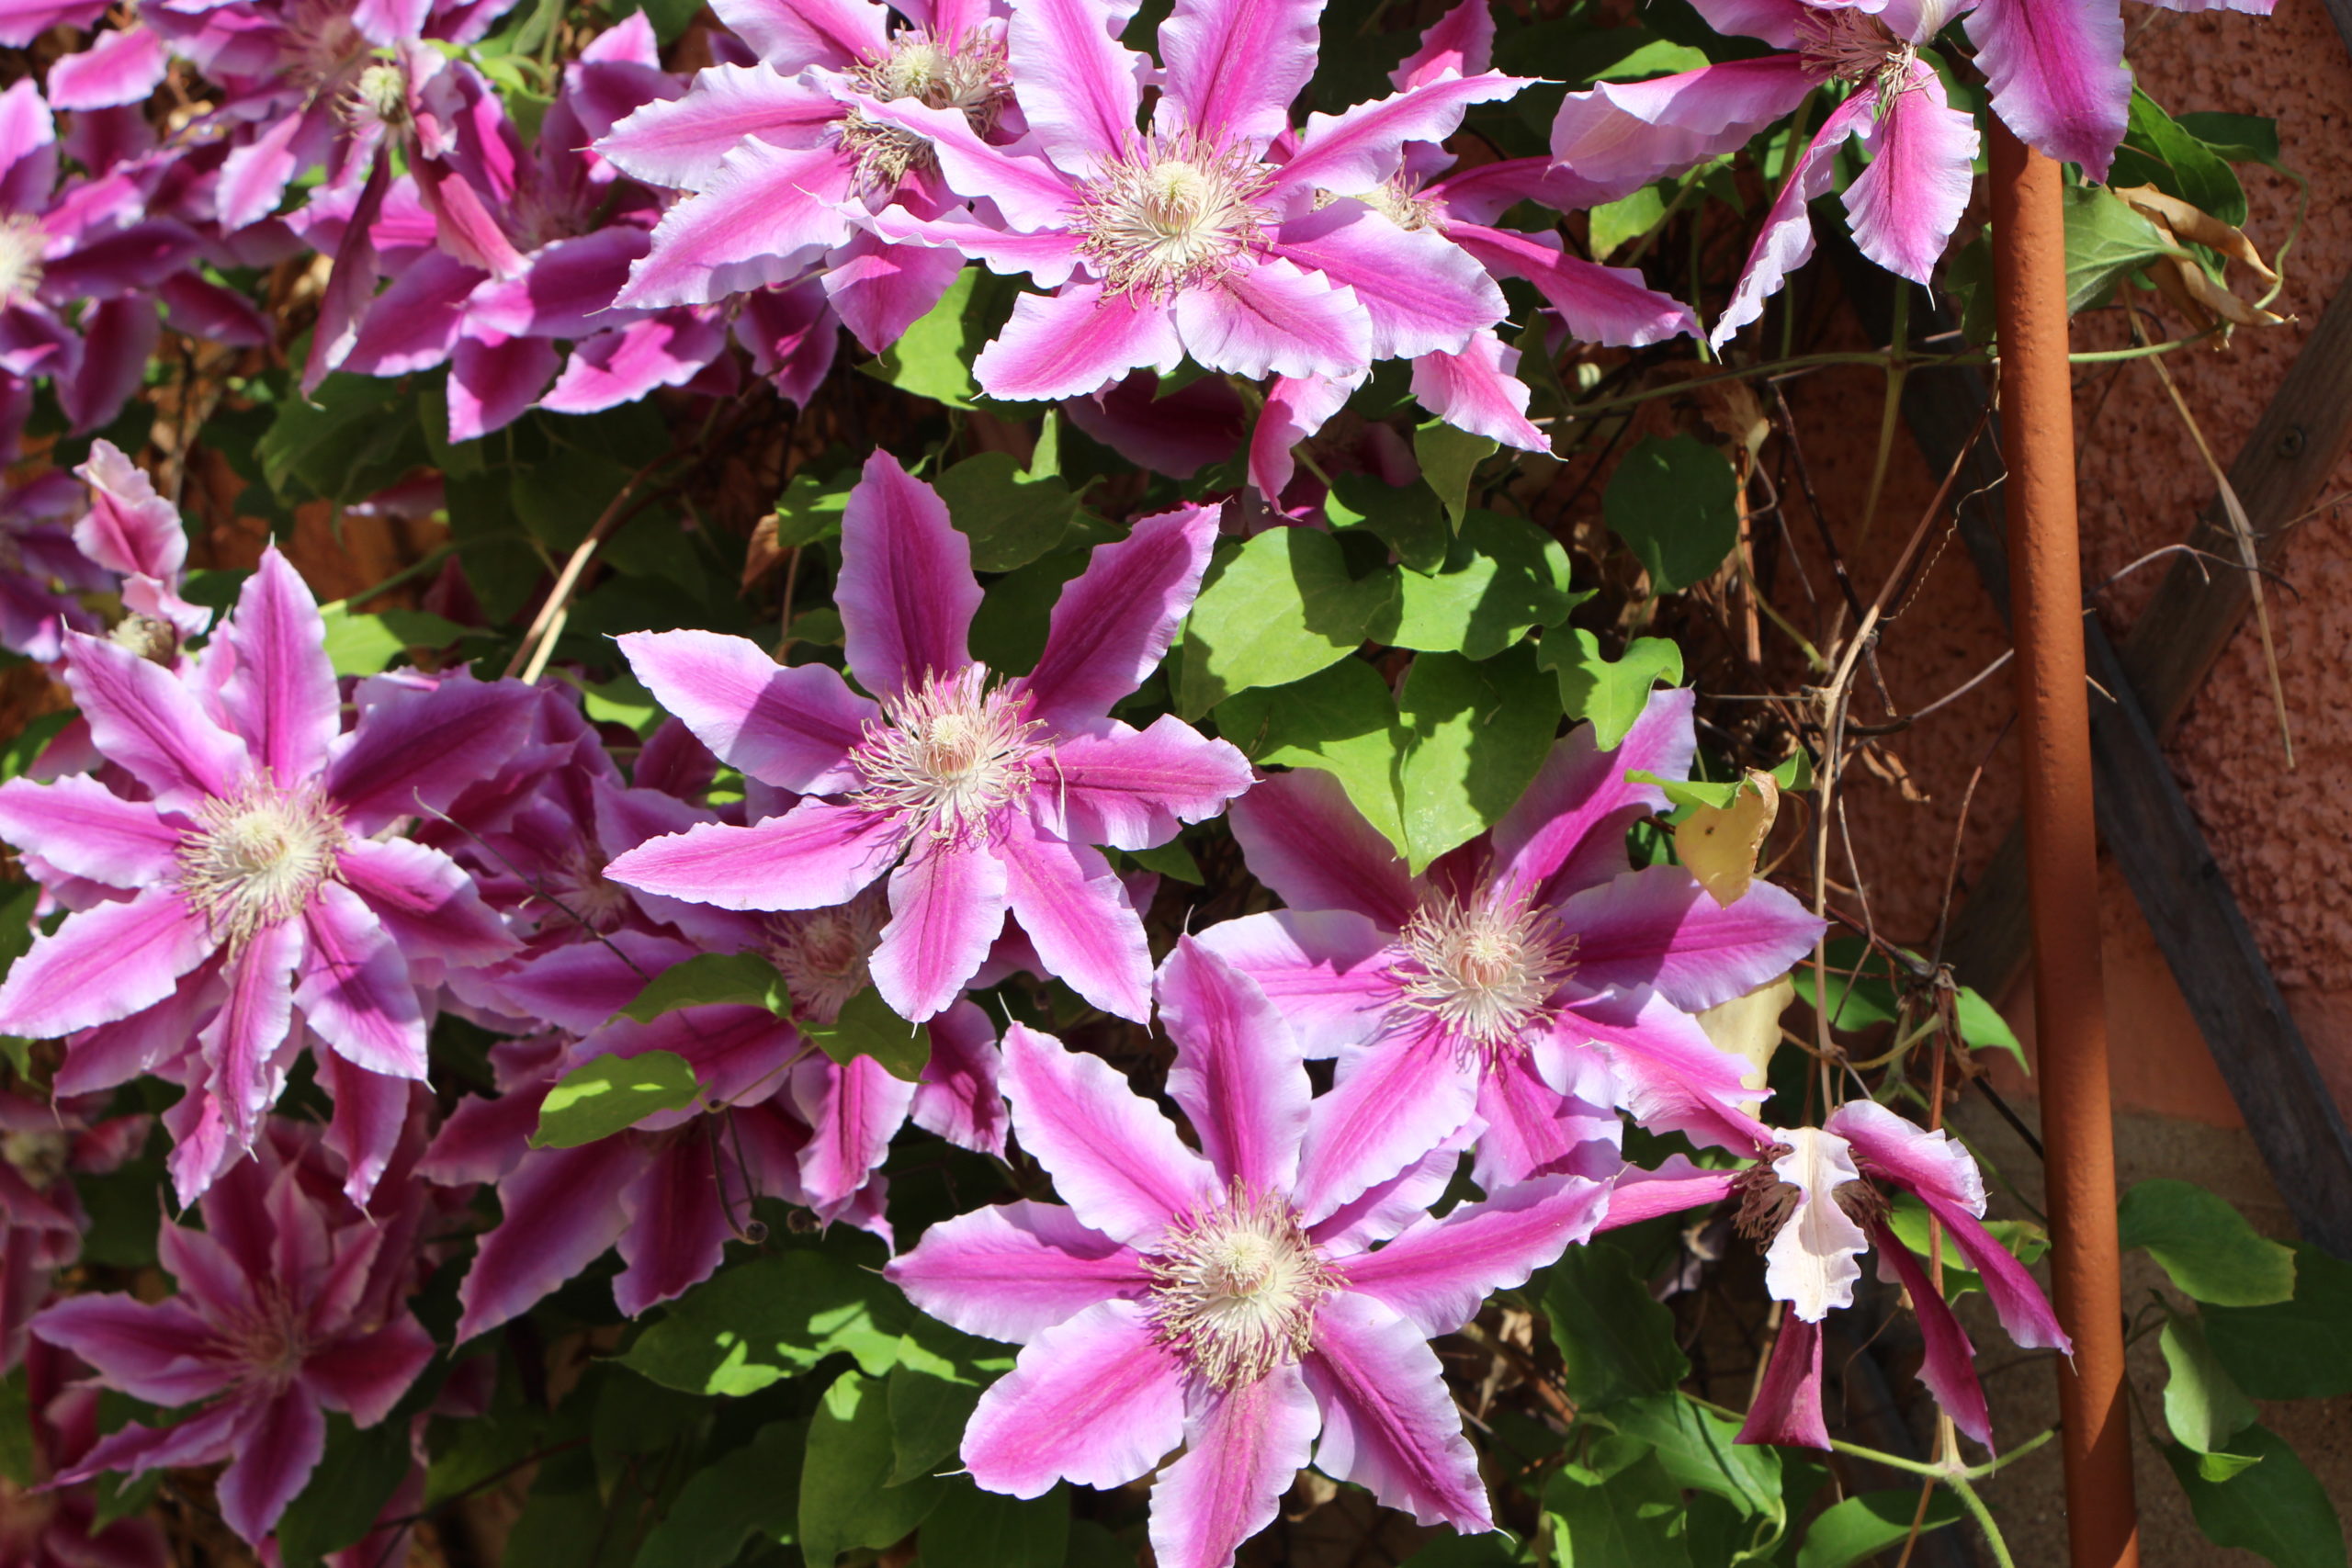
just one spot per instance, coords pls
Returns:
(2070, 1018)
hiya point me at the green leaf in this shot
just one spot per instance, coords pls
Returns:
(1697, 1448)
(846, 1501)
(1010, 518)
(362, 645)
(746, 1492)
(119, 1497)
(934, 357)
(30, 740)
(1492, 1551)
(1615, 223)
(1476, 732)
(2106, 241)
(1682, 793)
(709, 979)
(1341, 721)
(16, 1430)
(1612, 695)
(972, 1529)
(1448, 458)
(1633, 1518)
(1503, 576)
(2207, 1248)
(357, 1476)
(1171, 860)
(810, 509)
(2158, 150)
(597, 1099)
(1275, 610)
(1983, 1027)
(2240, 138)
(769, 1319)
(1406, 518)
(867, 1027)
(1617, 1341)
(2300, 1348)
(1675, 502)
(2203, 1408)
(351, 439)
(2276, 1509)
(1849, 1532)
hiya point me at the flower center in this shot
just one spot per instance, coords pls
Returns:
(948, 753)
(258, 856)
(24, 246)
(1398, 201)
(966, 73)
(822, 954)
(1234, 1291)
(1486, 970)
(1767, 1199)
(1172, 214)
(269, 1345)
(1854, 46)
(38, 1155)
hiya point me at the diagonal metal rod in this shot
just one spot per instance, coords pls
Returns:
(2062, 849)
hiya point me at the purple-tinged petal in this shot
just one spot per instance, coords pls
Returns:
(680, 141)
(1463, 41)
(1177, 434)
(1387, 1207)
(1276, 318)
(141, 717)
(1233, 67)
(1422, 293)
(1437, 1273)
(1670, 1075)
(149, 1350)
(83, 829)
(1244, 1446)
(1389, 1423)
(1295, 410)
(565, 292)
(622, 365)
(413, 325)
(1391, 1102)
(1923, 151)
(560, 1208)
(116, 1053)
(416, 751)
(1238, 1075)
(119, 67)
(1079, 88)
(853, 1110)
(1774, 21)
(947, 904)
(128, 527)
(812, 857)
(1114, 622)
(1113, 1157)
(241, 1044)
(370, 1115)
(766, 214)
(1815, 1260)
(1360, 149)
(1600, 304)
(206, 1438)
(792, 336)
(1785, 241)
(351, 286)
(1620, 136)
(1304, 837)
(1478, 390)
(1787, 1408)
(905, 589)
(492, 381)
(21, 21)
(1076, 343)
(425, 900)
(1077, 912)
(1657, 927)
(1134, 789)
(128, 261)
(194, 307)
(104, 963)
(118, 338)
(792, 728)
(1676, 1186)
(355, 988)
(2016, 1299)
(1030, 193)
(2057, 74)
(366, 1376)
(1047, 257)
(1096, 1401)
(958, 1097)
(274, 1459)
(481, 1139)
(1326, 970)
(879, 289)
(1566, 831)
(790, 34)
(281, 692)
(1013, 1271)
(1949, 1369)
(678, 1224)
(1533, 1129)
(578, 986)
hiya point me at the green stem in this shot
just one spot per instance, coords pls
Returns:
(1975, 1505)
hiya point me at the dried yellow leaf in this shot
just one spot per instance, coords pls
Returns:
(1748, 1027)
(1719, 844)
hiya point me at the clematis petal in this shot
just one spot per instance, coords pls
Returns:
(1113, 1157)
(879, 289)
(1478, 390)
(425, 900)
(1244, 1446)
(1029, 192)
(1013, 1271)
(851, 1108)
(1391, 1103)
(1787, 1406)
(371, 1112)
(1598, 304)
(1923, 154)
(679, 1224)
(83, 829)
(814, 856)
(1234, 67)
(493, 380)
(1620, 136)
(1463, 40)
(790, 727)
(280, 692)
(1387, 1207)
(1566, 831)
(1134, 789)
(624, 365)
(128, 527)
(1074, 344)
(679, 141)
(1670, 1075)
(1949, 1369)
(1079, 87)
(1676, 1186)
(355, 988)
(1273, 319)
(1295, 410)
(1533, 1129)
(274, 1459)
(141, 717)
(1421, 292)
(1929, 1163)
(2057, 74)
(763, 215)
(958, 1097)
(791, 34)
(1363, 146)
(1326, 971)
(1047, 257)
(416, 751)
(1389, 1423)
(947, 904)
(1096, 1401)
(1304, 837)
(1112, 625)
(413, 325)
(1657, 927)
(1439, 1272)
(151, 1350)
(1077, 912)
(564, 293)
(367, 1375)
(119, 67)
(560, 1210)
(1812, 1264)
(103, 964)
(1240, 1076)
(1785, 241)
(906, 588)
(241, 1044)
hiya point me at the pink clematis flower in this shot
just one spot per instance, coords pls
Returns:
(1529, 979)
(47, 1527)
(1195, 237)
(291, 1303)
(984, 794)
(254, 885)
(41, 1219)
(1229, 1301)
(42, 572)
(1620, 136)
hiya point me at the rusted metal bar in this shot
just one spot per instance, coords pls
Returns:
(2062, 847)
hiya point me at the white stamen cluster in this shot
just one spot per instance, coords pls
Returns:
(1400, 202)
(258, 856)
(822, 954)
(1172, 213)
(581, 887)
(378, 96)
(1235, 1289)
(967, 74)
(1847, 45)
(24, 250)
(1487, 968)
(948, 753)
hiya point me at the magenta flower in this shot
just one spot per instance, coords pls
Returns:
(985, 795)
(291, 1303)
(130, 529)
(47, 1527)
(1529, 979)
(42, 1220)
(1227, 1301)
(1620, 136)
(255, 885)
(1190, 237)
(43, 573)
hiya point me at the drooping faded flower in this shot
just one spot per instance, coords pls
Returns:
(1529, 977)
(1229, 1301)
(254, 883)
(983, 793)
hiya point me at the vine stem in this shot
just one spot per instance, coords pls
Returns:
(1983, 1516)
